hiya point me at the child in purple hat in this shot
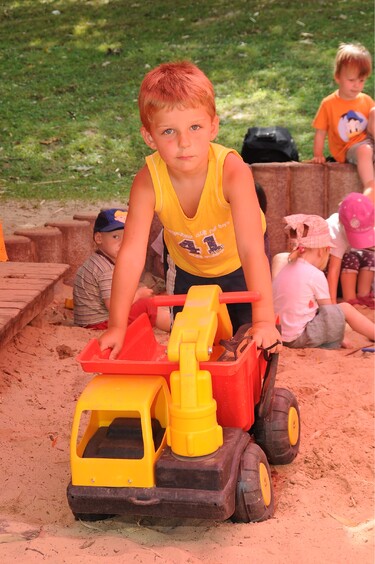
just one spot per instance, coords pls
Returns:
(352, 258)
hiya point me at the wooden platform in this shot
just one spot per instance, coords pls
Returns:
(26, 288)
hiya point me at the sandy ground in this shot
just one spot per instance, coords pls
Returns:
(324, 499)
(26, 214)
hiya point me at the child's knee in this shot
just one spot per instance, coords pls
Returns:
(365, 153)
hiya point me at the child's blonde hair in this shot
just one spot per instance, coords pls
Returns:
(353, 54)
(170, 85)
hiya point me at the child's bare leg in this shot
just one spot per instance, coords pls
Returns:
(358, 322)
(348, 281)
(365, 165)
(369, 192)
(367, 173)
(371, 123)
(364, 282)
(163, 319)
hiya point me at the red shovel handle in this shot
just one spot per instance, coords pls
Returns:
(224, 298)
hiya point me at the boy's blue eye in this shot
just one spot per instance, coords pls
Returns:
(195, 127)
(168, 131)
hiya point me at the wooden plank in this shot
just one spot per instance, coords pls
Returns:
(31, 269)
(5, 306)
(19, 283)
(7, 314)
(25, 290)
(23, 296)
(18, 322)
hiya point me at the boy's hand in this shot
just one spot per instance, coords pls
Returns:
(113, 339)
(143, 292)
(265, 335)
(319, 159)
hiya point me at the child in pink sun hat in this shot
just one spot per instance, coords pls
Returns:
(308, 316)
(352, 259)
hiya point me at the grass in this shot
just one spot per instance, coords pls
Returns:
(70, 71)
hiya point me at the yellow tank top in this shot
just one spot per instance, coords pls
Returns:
(203, 245)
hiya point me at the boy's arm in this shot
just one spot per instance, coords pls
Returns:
(239, 191)
(319, 138)
(130, 261)
(142, 292)
(333, 275)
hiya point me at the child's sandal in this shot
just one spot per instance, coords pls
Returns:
(367, 301)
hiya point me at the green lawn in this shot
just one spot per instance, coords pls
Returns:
(71, 70)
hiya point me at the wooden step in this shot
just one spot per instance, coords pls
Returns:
(26, 288)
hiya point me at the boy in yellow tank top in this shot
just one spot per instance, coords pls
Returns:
(205, 197)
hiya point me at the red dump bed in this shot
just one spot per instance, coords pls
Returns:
(236, 384)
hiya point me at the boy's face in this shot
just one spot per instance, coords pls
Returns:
(109, 243)
(350, 83)
(182, 137)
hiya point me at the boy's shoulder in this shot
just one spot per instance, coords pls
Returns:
(97, 260)
(331, 98)
(367, 98)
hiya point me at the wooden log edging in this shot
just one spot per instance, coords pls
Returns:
(290, 188)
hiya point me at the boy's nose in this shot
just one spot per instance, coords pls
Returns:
(184, 140)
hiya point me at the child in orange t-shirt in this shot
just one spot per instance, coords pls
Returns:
(347, 116)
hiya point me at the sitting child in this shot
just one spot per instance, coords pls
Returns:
(352, 255)
(92, 284)
(301, 295)
(347, 116)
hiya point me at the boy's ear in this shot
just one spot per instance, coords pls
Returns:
(147, 138)
(98, 237)
(214, 127)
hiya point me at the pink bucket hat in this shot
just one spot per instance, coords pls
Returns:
(356, 213)
(315, 228)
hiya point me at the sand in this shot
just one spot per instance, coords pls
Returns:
(324, 499)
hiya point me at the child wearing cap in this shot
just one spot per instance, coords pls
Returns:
(347, 116)
(93, 280)
(352, 257)
(308, 317)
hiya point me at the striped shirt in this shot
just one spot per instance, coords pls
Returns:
(92, 285)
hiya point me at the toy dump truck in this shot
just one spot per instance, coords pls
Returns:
(186, 429)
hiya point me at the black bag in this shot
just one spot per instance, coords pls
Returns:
(268, 145)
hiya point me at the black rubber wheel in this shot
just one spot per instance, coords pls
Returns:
(278, 432)
(91, 516)
(254, 491)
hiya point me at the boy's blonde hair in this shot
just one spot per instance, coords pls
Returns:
(170, 85)
(353, 54)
